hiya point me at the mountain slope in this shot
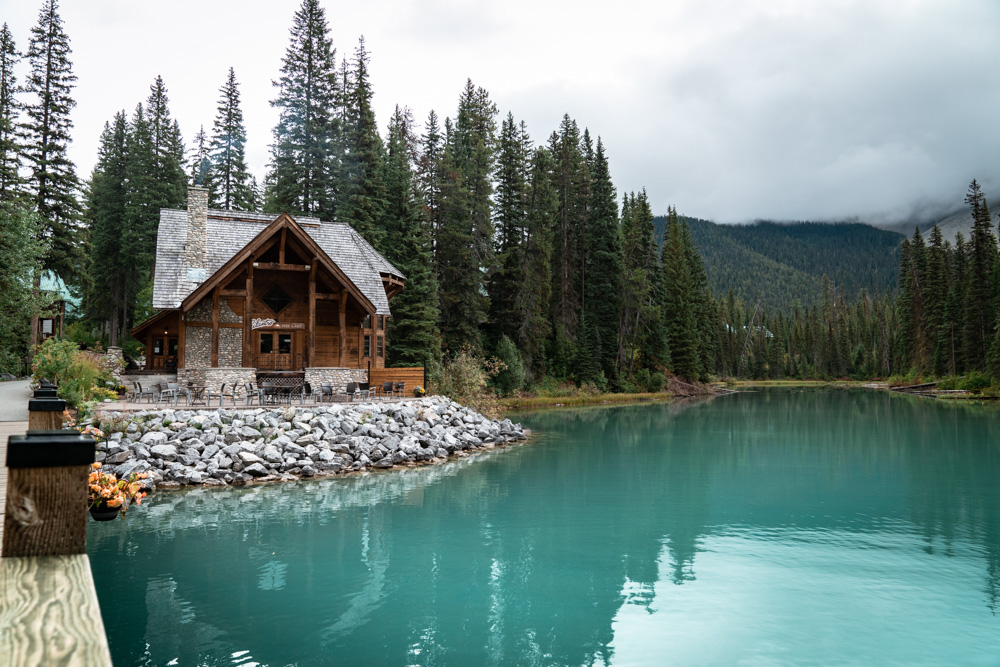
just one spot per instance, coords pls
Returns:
(785, 263)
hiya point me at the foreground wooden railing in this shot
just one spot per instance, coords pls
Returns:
(49, 612)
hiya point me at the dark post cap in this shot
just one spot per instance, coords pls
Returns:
(46, 405)
(49, 449)
(44, 383)
(46, 392)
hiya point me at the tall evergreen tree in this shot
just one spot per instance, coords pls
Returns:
(199, 160)
(534, 295)
(413, 326)
(982, 254)
(53, 184)
(168, 149)
(429, 178)
(510, 219)
(604, 262)
(305, 162)
(228, 178)
(678, 302)
(106, 205)
(141, 216)
(571, 180)
(22, 249)
(10, 148)
(362, 202)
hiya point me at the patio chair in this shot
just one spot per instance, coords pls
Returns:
(353, 392)
(175, 391)
(306, 390)
(399, 389)
(386, 390)
(232, 394)
(251, 394)
(140, 392)
(367, 391)
(325, 390)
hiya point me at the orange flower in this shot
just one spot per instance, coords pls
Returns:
(95, 465)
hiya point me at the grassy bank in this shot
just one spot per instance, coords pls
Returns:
(533, 402)
(794, 383)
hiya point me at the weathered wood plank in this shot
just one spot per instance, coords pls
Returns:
(312, 315)
(342, 324)
(49, 614)
(46, 511)
(277, 266)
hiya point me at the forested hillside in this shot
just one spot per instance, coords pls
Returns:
(785, 263)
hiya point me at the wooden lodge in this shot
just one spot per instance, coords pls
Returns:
(243, 294)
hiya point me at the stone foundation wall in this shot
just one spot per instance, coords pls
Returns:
(117, 359)
(198, 350)
(230, 347)
(227, 314)
(148, 379)
(214, 377)
(338, 377)
(202, 312)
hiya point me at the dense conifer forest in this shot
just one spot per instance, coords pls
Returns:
(515, 242)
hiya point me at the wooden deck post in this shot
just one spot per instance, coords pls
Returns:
(46, 503)
(215, 328)
(343, 328)
(312, 314)
(247, 314)
(45, 411)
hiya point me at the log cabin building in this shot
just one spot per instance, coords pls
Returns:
(244, 296)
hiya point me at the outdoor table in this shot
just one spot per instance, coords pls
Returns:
(196, 395)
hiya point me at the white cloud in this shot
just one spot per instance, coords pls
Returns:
(728, 109)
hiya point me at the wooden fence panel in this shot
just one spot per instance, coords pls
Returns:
(412, 376)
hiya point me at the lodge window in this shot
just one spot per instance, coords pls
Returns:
(381, 324)
(157, 346)
(266, 343)
(380, 346)
(368, 323)
(284, 343)
(367, 347)
(172, 347)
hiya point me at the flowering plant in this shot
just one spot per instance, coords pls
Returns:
(419, 391)
(107, 488)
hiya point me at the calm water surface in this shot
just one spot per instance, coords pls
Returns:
(796, 527)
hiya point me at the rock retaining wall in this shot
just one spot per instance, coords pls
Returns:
(338, 377)
(214, 377)
(227, 446)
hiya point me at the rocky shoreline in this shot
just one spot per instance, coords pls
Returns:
(282, 443)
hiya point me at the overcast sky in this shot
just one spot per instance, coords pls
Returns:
(730, 110)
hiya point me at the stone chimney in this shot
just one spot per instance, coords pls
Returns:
(197, 227)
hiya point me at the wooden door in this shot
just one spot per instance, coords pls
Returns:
(279, 350)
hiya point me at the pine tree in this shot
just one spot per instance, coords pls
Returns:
(10, 148)
(982, 254)
(534, 295)
(106, 205)
(304, 162)
(413, 326)
(678, 302)
(141, 216)
(510, 220)
(228, 178)
(199, 160)
(604, 262)
(52, 183)
(168, 150)
(362, 201)
(572, 182)
(935, 301)
(22, 249)
(429, 178)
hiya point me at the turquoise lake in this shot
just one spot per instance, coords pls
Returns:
(809, 526)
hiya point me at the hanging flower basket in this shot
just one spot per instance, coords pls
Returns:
(419, 391)
(109, 496)
(103, 512)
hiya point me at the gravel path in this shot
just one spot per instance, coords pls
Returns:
(14, 401)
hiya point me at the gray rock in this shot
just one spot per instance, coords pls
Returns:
(249, 458)
(209, 451)
(154, 438)
(166, 452)
(308, 471)
(272, 455)
(256, 470)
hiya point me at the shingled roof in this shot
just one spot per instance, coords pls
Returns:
(228, 232)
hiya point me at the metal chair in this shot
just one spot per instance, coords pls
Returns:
(325, 389)
(386, 390)
(232, 394)
(175, 391)
(251, 394)
(352, 391)
(399, 389)
(140, 392)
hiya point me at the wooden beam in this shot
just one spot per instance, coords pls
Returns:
(51, 614)
(281, 248)
(232, 292)
(343, 328)
(311, 356)
(247, 314)
(327, 297)
(215, 328)
(280, 266)
(181, 335)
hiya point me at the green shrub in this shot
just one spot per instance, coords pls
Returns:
(77, 373)
(511, 378)
(53, 359)
(974, 381)
(465, 378)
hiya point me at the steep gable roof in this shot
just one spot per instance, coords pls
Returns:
(228, 232)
